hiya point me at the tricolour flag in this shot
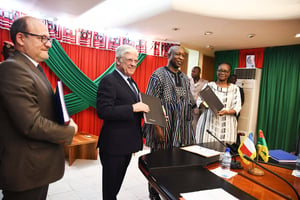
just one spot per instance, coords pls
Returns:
(113, 43)
(99, 40)
(7, 17)
(141, 46)
(54, 30)
(85, 38)
(155, 48)
(247, 147)
(165, 46)
(262, 147)
(69, 35)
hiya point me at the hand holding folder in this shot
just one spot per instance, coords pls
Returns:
(211, 100)
(156, 114)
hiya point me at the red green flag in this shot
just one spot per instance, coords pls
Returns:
(262, 147)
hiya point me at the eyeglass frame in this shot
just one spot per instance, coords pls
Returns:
(42, 37)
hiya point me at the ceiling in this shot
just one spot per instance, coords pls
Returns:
(273, 22)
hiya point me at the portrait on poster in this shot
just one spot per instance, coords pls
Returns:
(250, 61)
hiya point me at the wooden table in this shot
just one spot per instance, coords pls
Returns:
(84, 146)
(175, 171)
(261, 187)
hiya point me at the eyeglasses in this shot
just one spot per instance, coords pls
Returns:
(131, 60)
(223, 71)
(44, 38)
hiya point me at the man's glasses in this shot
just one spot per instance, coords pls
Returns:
(44, 38)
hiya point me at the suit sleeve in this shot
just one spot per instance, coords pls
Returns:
(113, 103)
(29, 105)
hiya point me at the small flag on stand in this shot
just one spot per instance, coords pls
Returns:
(262, 147)
(247, 147)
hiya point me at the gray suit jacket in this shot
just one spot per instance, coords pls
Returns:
(31, 142)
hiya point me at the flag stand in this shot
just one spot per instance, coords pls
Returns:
(255, 171)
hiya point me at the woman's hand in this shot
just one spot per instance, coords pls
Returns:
(226, 112)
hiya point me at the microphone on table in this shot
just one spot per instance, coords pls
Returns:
(234, 163)
(253, 161)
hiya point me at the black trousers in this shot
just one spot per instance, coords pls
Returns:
(113, 172)
(39, 193)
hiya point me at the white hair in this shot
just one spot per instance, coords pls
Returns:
(123, 49)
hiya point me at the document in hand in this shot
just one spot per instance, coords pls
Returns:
(62, 111)
(211, 99)
(155, 115)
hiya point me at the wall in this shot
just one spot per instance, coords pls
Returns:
(206, 63)
(193, 60)
(208, 68)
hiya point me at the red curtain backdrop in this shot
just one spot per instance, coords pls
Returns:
(93, 62)
(144, 71)
(258, 53)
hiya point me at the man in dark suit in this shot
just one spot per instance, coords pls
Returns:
(118, 106)
(31, 140)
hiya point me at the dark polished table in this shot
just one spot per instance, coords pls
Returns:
(176, 171)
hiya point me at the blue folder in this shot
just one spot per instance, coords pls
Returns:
(282, 156)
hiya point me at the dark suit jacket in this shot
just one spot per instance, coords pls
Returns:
(31, 149)
(121, 130)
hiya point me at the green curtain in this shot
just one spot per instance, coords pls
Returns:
(83, 88)
(232, 57)
(279, 101)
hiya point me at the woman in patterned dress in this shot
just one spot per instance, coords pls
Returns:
(224, 124)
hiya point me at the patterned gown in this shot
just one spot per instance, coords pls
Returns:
(173, 91)
(223, 127)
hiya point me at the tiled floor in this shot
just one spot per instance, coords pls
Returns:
(82, 181)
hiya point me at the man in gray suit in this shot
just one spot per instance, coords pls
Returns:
(31, 140)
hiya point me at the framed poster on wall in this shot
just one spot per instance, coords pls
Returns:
(250, 61)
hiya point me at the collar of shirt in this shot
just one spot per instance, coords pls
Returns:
(123, 76)
(34, 62)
